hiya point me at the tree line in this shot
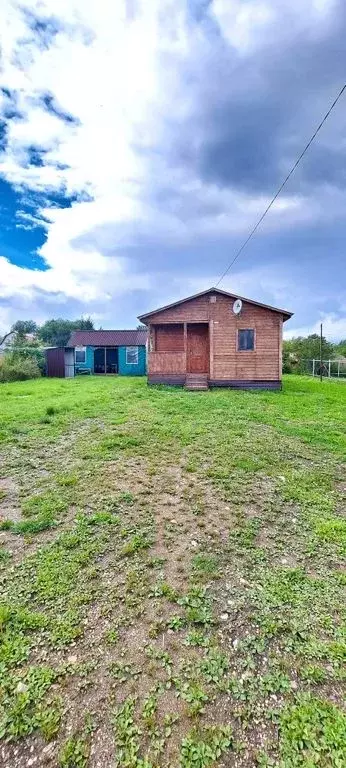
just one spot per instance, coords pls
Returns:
(298, 350)
(25, 341)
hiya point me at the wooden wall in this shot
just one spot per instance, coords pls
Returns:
(226, 362)
(169, 338)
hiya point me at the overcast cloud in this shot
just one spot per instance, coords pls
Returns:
(141, 140)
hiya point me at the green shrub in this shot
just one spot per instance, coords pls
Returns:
(13, 368)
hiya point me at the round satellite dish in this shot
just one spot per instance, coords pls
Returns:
(237, 306)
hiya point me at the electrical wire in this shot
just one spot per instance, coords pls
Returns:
(281, 187)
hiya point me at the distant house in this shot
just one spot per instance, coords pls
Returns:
(107, 352)
(216, 339)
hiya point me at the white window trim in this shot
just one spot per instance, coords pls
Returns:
(80, 349)
(128, 362)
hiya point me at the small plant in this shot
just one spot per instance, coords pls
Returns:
(312, 732)
(123, 672)
(275, 681)
(202, 748)
(194, 695)
(67, 480)
(197, 638)
(205, 565)
(214, 666)
(50, 410)
(162, 589)
(176, 623)
(197, 606)
(159, 655)
(150, 708)
(136, 543)
(5, 555)
(127, 736)
(112, 636)
(313, 673)
(74, 753)
(244, 535)
(23, 710)
(48, 718)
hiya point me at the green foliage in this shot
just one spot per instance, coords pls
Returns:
(205, 565)
(197, 638)
(137, 542)
(340, 348)
(21, 704)
(214, 666)
(276, 455)
(194, 695)
(127, 737)
(197, 606)
(202, 748)
(24, 327)
(75, 752)
(333, 530)
(15, 368)
(244, 534)
(312, 732)
(306, 348)
(56, 333)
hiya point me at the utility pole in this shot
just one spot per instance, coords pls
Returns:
(321, 353)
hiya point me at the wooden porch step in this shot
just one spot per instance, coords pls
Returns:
(196, 381)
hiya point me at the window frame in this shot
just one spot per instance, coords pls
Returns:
(132, 348)
(80, 349)
(246, 349)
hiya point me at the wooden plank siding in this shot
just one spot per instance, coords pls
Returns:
(226, 362)
(169, 338)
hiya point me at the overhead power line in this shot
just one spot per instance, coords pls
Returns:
(239, 251)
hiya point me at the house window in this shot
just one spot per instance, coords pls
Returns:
(246, 339)
(80, 354)
(131, 355)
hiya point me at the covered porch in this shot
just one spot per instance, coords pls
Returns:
(179, 353)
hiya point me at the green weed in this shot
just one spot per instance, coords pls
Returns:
(202, 748)
(312, 732)
(74, 753)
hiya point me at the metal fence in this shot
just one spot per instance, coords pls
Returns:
(329, 368)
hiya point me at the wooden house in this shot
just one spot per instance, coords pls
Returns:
(216, 339)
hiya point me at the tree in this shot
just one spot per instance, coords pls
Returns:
(56, 332)
(23, 327)
(297, 350)
(340, 348)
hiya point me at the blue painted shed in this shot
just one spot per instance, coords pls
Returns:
(110, 352)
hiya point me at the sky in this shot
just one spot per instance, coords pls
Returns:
(140, 141)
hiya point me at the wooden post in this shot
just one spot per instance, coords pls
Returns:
(211, 349)
(321, 353)
(185, 345)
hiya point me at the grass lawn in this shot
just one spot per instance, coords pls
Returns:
(172, 575)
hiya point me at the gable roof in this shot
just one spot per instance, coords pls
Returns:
(284, 312)
(134, 338)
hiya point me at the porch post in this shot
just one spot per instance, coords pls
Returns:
(211, 349)
(185, 345)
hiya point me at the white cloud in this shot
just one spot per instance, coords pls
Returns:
(334, 327)
(246, 26)
(121, 74)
